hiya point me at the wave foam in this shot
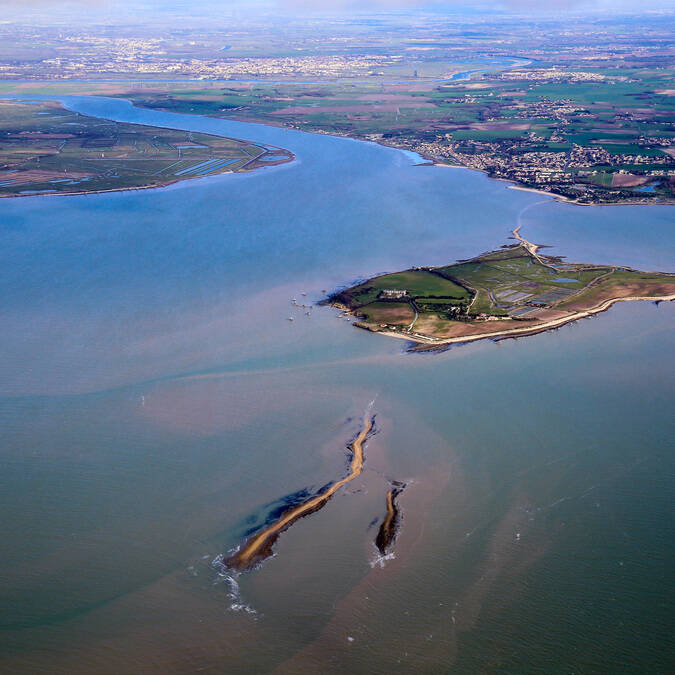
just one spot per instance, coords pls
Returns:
(230, 580)
(381, 560)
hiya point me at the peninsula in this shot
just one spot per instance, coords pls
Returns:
(512, 292)
(46, 149)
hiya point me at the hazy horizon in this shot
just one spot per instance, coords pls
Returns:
(97, 11)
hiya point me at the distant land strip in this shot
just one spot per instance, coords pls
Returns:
(49, 150)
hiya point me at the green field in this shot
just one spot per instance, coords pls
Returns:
(418, 284)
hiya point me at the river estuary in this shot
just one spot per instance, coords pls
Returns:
(158, 407)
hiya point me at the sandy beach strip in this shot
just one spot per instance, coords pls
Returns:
(526, 330)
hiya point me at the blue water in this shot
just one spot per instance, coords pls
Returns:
(156, 404)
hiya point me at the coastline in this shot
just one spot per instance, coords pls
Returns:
(433, 161)
(525, 331)
(107, 191)
(429, 161)
(290, 157)
(514, 185)
(158, 186)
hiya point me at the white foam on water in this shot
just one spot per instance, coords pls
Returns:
(225, 576)
(234, 594)
(381, 560)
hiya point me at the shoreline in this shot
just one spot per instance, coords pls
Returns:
(521, 332)
(514, 185)
(160, 186)
(290, 157)
(432, 161)
(429, 161)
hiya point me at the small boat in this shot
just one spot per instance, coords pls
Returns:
(290, 318)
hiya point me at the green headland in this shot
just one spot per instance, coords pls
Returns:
(511, 292)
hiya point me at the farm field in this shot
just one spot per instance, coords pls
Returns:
(46, 149)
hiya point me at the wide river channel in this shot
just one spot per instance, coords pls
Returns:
(157, 405)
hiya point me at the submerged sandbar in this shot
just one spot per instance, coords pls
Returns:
(260, 545)
(389, 527)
